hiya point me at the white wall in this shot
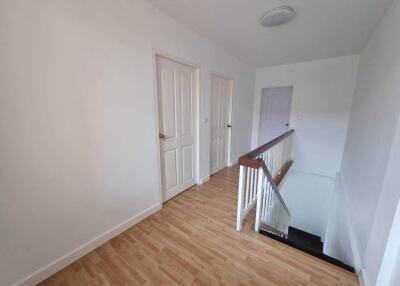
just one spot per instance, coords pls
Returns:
(337, 240)
(383, 228)
(389, 273)
(370, 178)
(308, 198)
(78, 148)
(322, 98)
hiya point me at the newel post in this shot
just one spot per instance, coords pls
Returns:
(240, 200)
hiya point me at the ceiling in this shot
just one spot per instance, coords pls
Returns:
(321, 28)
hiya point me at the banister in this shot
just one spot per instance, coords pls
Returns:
(249, 159)
(257, 169)
(274, 187)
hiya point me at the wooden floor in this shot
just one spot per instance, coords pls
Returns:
(192, 241)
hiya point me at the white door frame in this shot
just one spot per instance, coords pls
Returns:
(196, 67)
(257, 109)
(230, 104)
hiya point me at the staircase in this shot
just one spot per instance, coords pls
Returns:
(306, 242)
(261, 172)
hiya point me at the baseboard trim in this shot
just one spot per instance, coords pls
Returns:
(349, 227)
(315, 174)
(361, 273)
(204, 180)
(233, 163)
(363, 278)
(353, 245)
(60, 263)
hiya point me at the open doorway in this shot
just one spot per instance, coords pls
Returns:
(276, 104)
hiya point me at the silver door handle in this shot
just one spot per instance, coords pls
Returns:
(162, 136)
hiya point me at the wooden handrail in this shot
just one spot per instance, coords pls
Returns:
(250, 159)
(252, 188)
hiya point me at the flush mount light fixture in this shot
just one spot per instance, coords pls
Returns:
(277, 16)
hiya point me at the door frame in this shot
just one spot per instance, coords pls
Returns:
(196, 67)
(257, 109)
(230, 104)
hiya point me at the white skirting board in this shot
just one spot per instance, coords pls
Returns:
(204, 179)
(58, 264)
(233, 163)
(360, 271)
(207, 178)
(363, 278)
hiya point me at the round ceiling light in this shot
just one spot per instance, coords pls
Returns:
(277, 16)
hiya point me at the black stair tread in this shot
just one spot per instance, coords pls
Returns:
(305, 239)
(307, 247)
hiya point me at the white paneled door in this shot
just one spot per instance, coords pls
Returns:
(220, 122)
(176, 88)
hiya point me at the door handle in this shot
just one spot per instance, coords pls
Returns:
(287, 124)
(229, 126)
(162, 136)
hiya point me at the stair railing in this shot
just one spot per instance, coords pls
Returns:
(261, 172)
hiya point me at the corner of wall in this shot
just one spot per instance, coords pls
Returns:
(349, 226)
(204, 179)
(363, 277)
(233, 163)
(63, 261)
(340, 240)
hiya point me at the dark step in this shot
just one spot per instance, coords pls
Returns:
(307, 243)
(305, 239)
